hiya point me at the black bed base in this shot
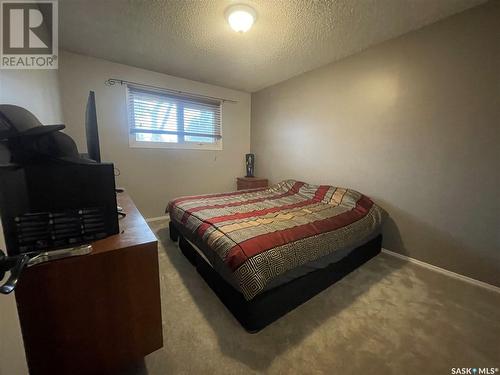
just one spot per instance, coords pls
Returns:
(272, 304)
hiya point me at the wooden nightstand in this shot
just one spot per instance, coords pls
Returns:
(250, 182)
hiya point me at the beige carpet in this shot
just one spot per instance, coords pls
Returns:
(388, 317)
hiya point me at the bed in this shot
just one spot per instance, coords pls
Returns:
(265, 251)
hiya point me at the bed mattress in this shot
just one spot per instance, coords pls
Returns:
(257, 239)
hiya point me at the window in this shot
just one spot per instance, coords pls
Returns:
(161, 120)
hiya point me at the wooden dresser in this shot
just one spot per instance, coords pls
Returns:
(96, 313)
(243, 183)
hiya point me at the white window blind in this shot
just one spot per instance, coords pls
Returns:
(159, 119)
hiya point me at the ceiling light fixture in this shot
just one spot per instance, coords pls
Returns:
(241, 17)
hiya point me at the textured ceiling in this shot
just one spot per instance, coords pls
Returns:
(191, 39)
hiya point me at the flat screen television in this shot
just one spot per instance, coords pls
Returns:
(91, 130)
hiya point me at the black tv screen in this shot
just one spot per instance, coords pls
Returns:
(93, 149)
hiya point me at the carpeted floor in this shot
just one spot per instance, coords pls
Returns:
(388, 317)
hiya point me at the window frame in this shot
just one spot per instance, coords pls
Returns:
(134, 143)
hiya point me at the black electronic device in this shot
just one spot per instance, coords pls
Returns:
(50, 197)
(91, 129)
(62, 204)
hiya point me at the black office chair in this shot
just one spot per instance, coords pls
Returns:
(16, 265)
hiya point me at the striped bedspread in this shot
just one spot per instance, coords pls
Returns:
(260, 234)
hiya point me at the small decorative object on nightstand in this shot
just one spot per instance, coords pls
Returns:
(250, 162)
(251, 182)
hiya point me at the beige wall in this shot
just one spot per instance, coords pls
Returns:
(152, 176)
(37, 91)
(415, 124)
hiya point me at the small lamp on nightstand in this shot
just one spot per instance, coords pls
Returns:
(250, 161)
(250, 181)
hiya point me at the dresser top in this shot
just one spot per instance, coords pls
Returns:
(133, 229)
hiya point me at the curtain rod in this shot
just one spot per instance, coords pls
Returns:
(114, 81)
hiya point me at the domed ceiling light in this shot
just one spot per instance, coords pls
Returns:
(241, 17)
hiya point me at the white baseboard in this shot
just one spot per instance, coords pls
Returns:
(151, 219)
(454, 275)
